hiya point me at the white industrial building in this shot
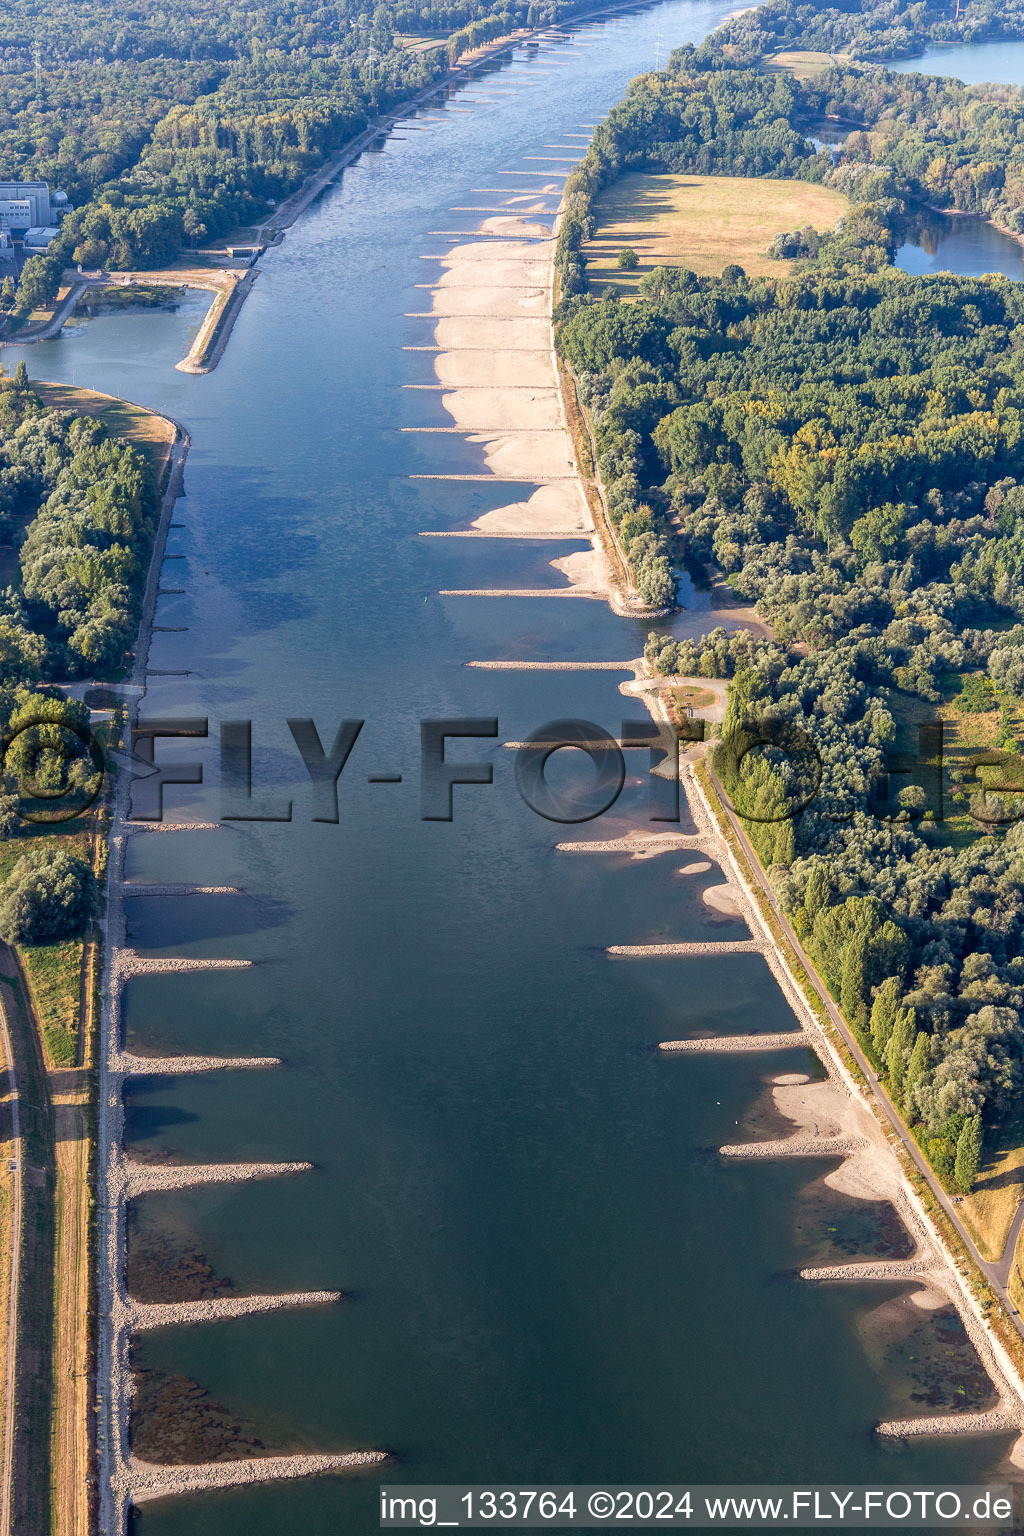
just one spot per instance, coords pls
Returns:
(39, 239)
(29, 205)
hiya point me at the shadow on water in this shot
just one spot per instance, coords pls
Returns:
(965, 245)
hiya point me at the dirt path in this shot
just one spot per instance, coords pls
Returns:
(11, 1147)
(30, 1454)
(48, 328)
(70, 1447)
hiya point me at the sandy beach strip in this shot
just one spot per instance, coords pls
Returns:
(717, 948)
(146, 1481)
(728, 1044)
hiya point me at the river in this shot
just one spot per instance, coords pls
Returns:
(550, 1274)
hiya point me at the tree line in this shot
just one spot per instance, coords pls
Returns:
(79, 508)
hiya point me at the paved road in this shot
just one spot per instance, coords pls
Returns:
(48, 328)
(996, 1273)
(12, 1299)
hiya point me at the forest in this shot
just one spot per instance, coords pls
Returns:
(846, 443)
(78, 515)
(169, 126)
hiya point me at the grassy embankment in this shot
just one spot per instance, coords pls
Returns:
(51, 998)
(53, 971)
(701, 222)
(41, 315)
(151, 435)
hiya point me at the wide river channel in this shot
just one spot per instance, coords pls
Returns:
(550, 1273)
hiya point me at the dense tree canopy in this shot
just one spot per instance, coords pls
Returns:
(49, 894)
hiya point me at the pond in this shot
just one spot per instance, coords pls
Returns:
(960, 243)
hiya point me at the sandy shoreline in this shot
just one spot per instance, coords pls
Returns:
(492, 305)
(492, 302)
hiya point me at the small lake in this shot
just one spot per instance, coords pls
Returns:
(964, 245)
(968, 246)
(999, 61)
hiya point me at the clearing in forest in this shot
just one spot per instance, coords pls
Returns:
(804, 63)
(701, 222)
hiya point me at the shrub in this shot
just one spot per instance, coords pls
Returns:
(49, 894)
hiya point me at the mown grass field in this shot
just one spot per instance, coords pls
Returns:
(701, 222)
(152, 435)
(804, 63)
(990, 1209)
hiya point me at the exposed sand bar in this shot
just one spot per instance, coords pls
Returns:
(493, 329)
(480, 367)
(645, 847)
(147, 1481)
(886, 1269)
(216, 1309)
(465, 300)
(833, 1119)
(726, 1044)
(480, 408)
(529, 332)
(722, 947)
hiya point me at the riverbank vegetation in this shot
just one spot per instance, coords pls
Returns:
(846, 442)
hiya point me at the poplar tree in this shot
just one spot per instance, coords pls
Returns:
(883, 1014)
(819, 891)
(968, 1154)
(854, 981)
(899, 1045)
(918, 1060)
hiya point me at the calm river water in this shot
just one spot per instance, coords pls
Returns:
(551, 1274)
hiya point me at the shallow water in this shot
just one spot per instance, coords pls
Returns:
(552, 1275)
(1001, 61)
